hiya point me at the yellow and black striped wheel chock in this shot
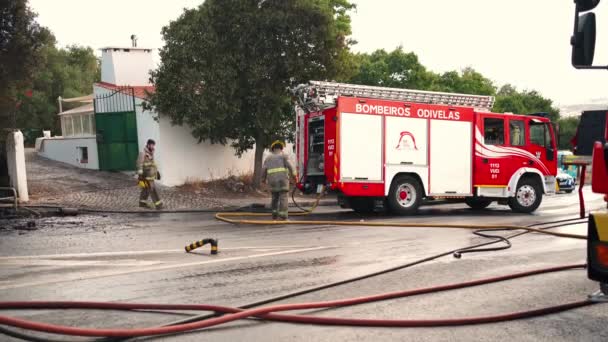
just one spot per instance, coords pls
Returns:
(201, 243)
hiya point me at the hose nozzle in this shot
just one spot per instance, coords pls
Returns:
(201, 243)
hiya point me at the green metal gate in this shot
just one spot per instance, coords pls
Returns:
(116, 128)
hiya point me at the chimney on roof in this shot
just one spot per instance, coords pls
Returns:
(126, 65)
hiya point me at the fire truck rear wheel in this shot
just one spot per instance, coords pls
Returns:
(405, 195)
(477, 203)
(528, 196)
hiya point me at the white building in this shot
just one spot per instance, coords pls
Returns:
(107, 133)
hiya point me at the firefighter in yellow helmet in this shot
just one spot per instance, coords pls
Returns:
(277, 171)
(148, 173)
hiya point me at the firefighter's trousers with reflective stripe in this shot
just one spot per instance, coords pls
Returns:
(279, 204)
(149, 191)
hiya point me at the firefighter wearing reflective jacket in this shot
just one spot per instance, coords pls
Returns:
(148, 173)
(276, 171)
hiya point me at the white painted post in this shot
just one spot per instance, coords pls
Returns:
(15, 155)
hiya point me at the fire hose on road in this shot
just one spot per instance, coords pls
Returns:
(268, 313)
(227, 314)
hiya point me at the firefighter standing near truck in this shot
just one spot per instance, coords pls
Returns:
(148, 173)
(276, 171)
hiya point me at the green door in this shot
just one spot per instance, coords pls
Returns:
(116, 127)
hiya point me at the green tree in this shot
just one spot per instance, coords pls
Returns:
(396, 69)
(468, 81)
(226, 66)
(567, 131)
(509, 99)
(22, 41)
(68, 72)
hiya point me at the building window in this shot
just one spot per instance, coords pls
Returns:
(84, 155)
(77, 122)
(78, 125)
(494, 131)
(518, 132)
(68, 130)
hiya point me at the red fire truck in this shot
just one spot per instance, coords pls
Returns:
(390, 147)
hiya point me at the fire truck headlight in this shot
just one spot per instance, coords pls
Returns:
(601, 255)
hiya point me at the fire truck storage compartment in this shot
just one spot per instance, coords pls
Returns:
(360, 147)
(316, 146)
(406, 141)
(451, 158)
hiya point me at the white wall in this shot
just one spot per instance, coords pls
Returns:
(147, 127)
(15, 155)
(182, 159)
(126, 66)
(66, 150)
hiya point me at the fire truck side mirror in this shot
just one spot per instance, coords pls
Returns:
(583, 40)
(586, 5)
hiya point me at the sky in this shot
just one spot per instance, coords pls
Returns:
(522, 42)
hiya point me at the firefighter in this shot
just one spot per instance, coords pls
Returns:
(276, 171)
(148, 173)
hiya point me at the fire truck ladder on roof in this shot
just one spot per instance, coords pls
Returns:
(318, 95)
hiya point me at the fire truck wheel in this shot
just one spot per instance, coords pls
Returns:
(405, 195)
(477, 203)
(527, 196)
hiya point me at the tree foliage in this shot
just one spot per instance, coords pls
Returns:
(22, 42)
(68, 72)
(567, 131)
(509, 99)
(401, 69)
(226, 66)
(396, 69)
(467, 81)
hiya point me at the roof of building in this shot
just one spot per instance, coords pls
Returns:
(128, 48)
(139, 91)
(82, 99)
(86, 109)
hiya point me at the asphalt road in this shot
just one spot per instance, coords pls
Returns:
(140, 258)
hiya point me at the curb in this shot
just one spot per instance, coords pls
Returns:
(72, 211)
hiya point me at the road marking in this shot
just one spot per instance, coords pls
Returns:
(157, 268)
(78, 263)
(126, 253)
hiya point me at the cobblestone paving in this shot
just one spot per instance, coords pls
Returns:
(55, 183)
(59, 184)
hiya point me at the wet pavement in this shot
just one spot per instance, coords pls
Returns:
(141, 258)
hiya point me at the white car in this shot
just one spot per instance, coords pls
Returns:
(565, 182)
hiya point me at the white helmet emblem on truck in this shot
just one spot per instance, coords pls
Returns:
(407, 141)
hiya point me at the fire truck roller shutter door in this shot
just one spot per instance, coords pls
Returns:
(451, 144)
(406, 141)
(360, 148)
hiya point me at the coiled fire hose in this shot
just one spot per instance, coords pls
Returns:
(268, 312)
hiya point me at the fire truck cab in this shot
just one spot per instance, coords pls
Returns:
(383, 147)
